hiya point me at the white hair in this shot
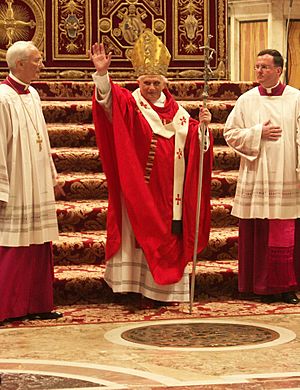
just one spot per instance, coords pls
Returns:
(19, 50)
(163, 78)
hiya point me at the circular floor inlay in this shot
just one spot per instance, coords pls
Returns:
(199, 335)
(11, 381)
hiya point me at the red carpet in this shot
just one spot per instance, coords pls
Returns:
(118, 313)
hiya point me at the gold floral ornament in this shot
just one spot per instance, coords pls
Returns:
(149, 55)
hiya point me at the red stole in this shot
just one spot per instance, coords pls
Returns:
(124, 146)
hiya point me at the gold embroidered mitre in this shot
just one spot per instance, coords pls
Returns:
(149, 55)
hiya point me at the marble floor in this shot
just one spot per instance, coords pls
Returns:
(240, 352)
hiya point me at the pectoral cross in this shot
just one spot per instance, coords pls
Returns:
(39, 141)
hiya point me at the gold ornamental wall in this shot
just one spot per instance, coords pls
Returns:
(64, 31)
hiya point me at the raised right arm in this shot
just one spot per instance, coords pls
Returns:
(102, 62)
(99, 58)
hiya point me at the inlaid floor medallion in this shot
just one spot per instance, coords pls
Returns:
(200, 335)
(22, 381)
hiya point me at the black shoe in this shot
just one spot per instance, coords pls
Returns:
(51, 315)
(271, 298)
(290, 297)
(16, 319)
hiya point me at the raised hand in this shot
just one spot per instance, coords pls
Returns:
(99, 58)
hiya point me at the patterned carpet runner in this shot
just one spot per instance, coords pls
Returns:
(79, 253)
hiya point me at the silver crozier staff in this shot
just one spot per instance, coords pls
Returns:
(208, 53)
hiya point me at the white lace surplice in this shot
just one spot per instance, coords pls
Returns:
(27, 175)
(268, 183)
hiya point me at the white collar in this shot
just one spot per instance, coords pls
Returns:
(269, 90)
(18, 81)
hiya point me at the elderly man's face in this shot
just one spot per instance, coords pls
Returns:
(151, 87)
(29, 68)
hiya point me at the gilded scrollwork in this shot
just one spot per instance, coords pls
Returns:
(105, 25)
(21, 21)
(220, 72)
(159, 25)
(191, 74)
(131, 24)
(72, 24)
(121, 22)
(155, 5)
(13, 28)
(72, 28)
(191, 25)
(72, 74)
(222, 69)
(108, 5)
(111, 47)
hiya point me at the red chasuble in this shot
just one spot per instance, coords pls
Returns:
(124, 147)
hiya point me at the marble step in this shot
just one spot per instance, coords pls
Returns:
(93, 185)
(83, 135)
(79, 284)
(81, 111)
(82, 215)
(88, 247)
(87, 159)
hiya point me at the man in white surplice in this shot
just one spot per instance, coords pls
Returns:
(28, 222)
(263, 129)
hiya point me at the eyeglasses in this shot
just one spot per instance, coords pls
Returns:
(263, 67)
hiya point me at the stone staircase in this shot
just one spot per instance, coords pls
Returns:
(79, 252)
